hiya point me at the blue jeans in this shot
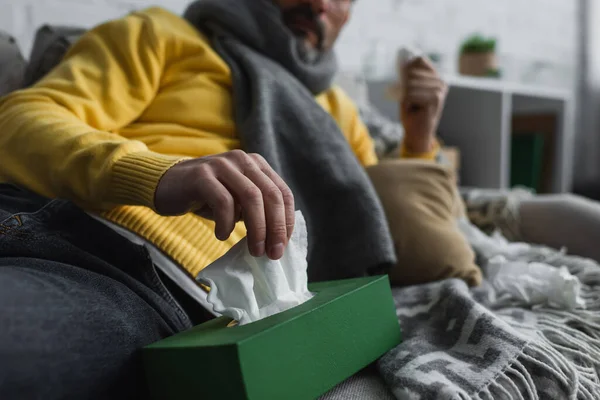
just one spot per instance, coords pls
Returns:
(77, 303)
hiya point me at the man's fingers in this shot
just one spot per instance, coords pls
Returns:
(250, 198)
(288, 197)
(239, 215)
(422, 63)
(262, 203)
(422, 97)
(433, 84)
(426, 89)
(422, 74)
(425, 61)
(222, 205)
(274, 210)
(421, 81)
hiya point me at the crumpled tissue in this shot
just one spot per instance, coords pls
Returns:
(404, 56)
(247, 289)
(534, 283)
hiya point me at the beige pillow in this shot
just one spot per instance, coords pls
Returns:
(422, 204)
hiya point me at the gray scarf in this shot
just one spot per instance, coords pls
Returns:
(277, 117)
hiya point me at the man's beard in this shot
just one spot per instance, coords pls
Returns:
(305, 15)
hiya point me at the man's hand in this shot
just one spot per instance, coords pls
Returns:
(229, 187)
(422, 104)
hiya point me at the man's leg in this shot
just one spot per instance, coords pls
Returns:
(77, 303)
(562, 221)
(69, 333)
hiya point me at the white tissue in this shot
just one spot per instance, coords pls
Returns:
(248, 289)
(534, 283)
(404, 56)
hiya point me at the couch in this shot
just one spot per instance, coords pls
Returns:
(487, 208)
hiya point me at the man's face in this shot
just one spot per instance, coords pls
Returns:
(319, 22)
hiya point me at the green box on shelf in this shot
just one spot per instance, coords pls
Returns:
(298, 354)
(527, 159)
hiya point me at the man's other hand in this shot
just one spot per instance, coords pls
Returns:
(422, 104)
(230, 187)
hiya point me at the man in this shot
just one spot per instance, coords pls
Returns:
(155, 125)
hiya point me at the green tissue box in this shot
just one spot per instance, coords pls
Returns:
(298, 354)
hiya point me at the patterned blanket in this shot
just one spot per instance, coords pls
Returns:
(482, 343)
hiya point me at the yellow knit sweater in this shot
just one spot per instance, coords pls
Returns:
(132, 98)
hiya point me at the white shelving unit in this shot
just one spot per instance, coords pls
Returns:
(478, 118)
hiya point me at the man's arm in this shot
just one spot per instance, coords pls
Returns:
(369, 129)
(56, 137)
(421, 108)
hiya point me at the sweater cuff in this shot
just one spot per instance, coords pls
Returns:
(428, 155)
(135, 177)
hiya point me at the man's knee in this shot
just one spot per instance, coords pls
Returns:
(72, 338)
(564, 204)
(566, 198)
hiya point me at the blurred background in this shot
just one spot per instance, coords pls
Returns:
(524, 75)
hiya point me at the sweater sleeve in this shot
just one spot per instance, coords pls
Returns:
(343, 110)
(362, 143)
(431, 155)
(58, 137)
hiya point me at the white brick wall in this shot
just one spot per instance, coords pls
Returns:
(528, 30)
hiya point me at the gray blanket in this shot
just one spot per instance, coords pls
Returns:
(482, 344)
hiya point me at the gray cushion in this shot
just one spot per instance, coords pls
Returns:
(12, 65)
(50, 46)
